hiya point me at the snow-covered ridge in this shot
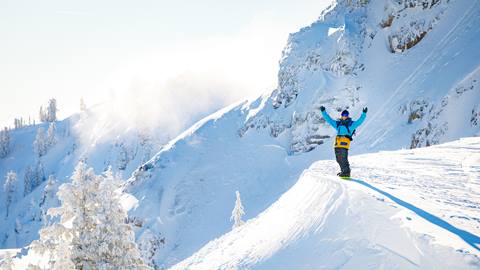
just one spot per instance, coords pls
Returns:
(346, 61)
(423, 95)
(405, 209)
(44, 155)
(260, 147)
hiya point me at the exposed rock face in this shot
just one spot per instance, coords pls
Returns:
(435, 126)
(475, 120)
(333, 49)
(329, 51)
(409, 21)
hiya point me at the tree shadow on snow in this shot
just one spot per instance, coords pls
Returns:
(471, 239)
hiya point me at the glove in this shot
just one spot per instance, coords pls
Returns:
(365, 110)
(322, 108)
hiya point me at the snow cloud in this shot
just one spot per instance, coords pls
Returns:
(171, 88)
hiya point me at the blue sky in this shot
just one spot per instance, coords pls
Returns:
(101, 49)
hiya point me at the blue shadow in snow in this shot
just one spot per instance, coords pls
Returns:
(472, 239)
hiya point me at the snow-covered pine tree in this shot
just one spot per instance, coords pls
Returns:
(83, 107)
(148, 244)
(237, 212)
(4, 142)
(34, 212)
(39, 175)
(28, 180)
(55, 242)
(122, 157)
(52, 110)
(98, 237)
(146, 144)
(33, 177)
(42, 115)
(18, 123)
(51, 138)
(40, 144)
(48, 191)
(118, 249)
(7, 263)
(10, 188)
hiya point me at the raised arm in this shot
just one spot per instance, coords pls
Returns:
(327, 117)
(360, 120)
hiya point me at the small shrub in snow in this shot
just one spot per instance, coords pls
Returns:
(237, 212)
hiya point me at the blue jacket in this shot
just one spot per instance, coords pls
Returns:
(342, 130)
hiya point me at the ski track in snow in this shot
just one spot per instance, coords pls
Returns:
(409, 211)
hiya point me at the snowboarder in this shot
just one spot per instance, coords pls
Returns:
(345, 127)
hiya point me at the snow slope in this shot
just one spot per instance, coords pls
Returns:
(83, 136)
(425, 94)
(414, 63)
(398, 213)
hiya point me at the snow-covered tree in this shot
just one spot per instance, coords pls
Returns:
(43, 141)
(7, 263)
(51, 138)
(33, 177)
(10, 188)
(42, 115)
(55, 242)
(237, 212)
(18, 123)
(4, 142)
(40, 144)
(49, 114)
(48, 191)
(28, 180)
(52, 110)
(83, 107)
(148, 244)
(39, 174)
(123, 157)
(146, 143)
(97, 236)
